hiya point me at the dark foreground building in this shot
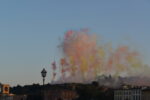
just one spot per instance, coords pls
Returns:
(5, 93)
(60, 95)
(68, 91)
(43, 94)
(47, 92)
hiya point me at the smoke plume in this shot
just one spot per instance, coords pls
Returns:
(85, 59)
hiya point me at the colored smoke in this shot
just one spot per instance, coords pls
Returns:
(85, 59)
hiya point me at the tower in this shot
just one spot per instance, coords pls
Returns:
(4, 89)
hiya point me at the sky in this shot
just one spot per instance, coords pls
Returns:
(32, 30)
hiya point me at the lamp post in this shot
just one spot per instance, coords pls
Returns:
(43, 73)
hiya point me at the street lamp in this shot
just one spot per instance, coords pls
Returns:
(43, 73)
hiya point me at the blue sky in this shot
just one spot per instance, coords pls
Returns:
(30, 31)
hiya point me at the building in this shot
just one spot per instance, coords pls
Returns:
(20, 97)
(60, 94)
(146, 94)
(126, 93)
(4, 89)
(4, 92)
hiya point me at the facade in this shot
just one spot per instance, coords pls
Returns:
(146, 94)
(128, 94)
(132, 94)
(60, 95)
(20, 97)
(6, 97)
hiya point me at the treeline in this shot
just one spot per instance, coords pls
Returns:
(85, 91)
